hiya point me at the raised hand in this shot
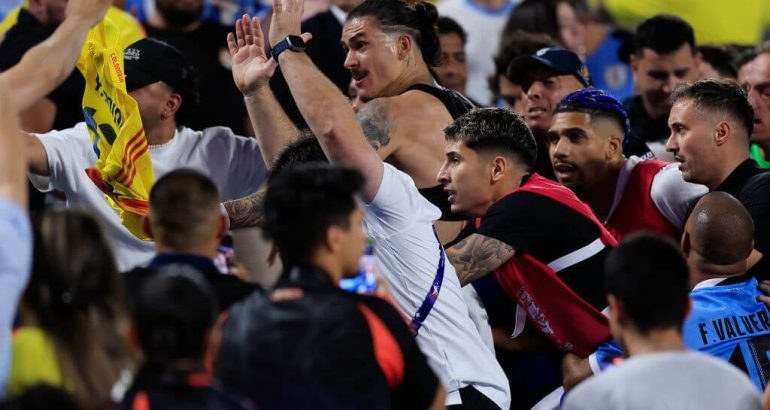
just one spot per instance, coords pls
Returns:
(89, 11)
(251, 67)
(287, 20)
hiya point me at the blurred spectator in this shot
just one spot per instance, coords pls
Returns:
(607, 49)
(483, 21)
(558, 18)
(512, 45)
(312, 344)
(42, 397)
(717, 63)
(664, 56)
(587, 142)
(172, 317)
(652, 336)
(754, 77)
(453, 70)
(187, 226)
(164, 84)
(42, 69)
(710, 122)
(205, 44)
(73, 328)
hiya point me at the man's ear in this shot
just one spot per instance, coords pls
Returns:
(722, 133)
(498, 168)
(147, 227)
(172, 105)
(333, 239)
(686, 244)
(614, 146)
(403, 46)
(634, 63)
(617, 310)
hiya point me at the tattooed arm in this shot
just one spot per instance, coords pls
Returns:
(378, 126)
(477, 255)
(248, 211)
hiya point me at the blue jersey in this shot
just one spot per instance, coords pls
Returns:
(726, 321)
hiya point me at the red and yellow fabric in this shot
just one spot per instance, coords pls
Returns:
(123, 170)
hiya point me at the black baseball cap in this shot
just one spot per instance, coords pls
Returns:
(148, 60)
(558, 59)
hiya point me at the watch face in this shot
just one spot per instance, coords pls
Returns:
(296, 43)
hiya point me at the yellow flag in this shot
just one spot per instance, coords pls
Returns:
(123, 170)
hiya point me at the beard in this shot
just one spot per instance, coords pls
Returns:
(176, 17)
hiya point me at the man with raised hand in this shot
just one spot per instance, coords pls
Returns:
(43, 68)
(396, 216)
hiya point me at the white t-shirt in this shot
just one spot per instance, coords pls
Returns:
(234, 164)
(483, 27)
(670, 193)
(672, 380)
(400, 221)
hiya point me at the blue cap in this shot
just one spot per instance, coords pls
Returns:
(558, 59)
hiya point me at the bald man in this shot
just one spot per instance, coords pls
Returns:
(727, 320)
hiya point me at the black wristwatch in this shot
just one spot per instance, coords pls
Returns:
(293, 43)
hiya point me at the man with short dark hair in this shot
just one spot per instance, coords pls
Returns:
(711, 121)
(453, 70)
(312, 344)
(665, 55)
(588, 137)
(187, 226)
(520, 248)
(164, 85)
(651, 334)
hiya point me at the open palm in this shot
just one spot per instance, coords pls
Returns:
(251, 67)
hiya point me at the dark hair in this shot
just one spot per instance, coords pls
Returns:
(302, 202)
(644, 268)
(172, 316)
(494, 128)
(303, 150)
(663, 34)
(720, 59)
(76, 298)
(447, 25)
(41, 397)
(539, 17)
(597, 104)
(514, 44)
(723, 96)
(184, 206)
(419, 21)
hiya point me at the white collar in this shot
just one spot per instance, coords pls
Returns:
(708, 283)
(338, 14)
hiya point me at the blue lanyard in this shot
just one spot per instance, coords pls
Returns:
(432, 296)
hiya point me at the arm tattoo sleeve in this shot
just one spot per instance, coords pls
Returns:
(376, 123)
(478, 255)
(247, 211)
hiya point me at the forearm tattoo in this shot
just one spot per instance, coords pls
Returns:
(478, 255)
(247, 211)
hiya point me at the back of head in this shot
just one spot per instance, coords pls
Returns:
(172, 316)
(303, 150)
(535, 16)
(519, 43)
(715, 98)
(720, 229)
(302, 202)
(663, 34)
(494, 129)
(649, 276)
(397, 16)
(75, 296)
(599, 105)
(184, 210)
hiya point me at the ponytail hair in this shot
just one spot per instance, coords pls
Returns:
(418, 20)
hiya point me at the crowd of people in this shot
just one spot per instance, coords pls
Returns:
(472, 205)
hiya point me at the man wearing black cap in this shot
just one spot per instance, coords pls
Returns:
(164, 85)
(547, 77)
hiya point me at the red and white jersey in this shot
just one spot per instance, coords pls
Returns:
(651, 196)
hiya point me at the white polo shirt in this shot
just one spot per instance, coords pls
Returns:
(401, 221)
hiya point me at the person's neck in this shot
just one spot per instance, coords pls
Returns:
(416, 73)
(654, 341)
(601, 195)
(503, 188)
(329, 264)
(701, 269)
(729, 163)
(162, 133)
(207, 251)
(159, 22)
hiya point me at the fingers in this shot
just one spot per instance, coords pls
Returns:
(765, 300)
(277, 6)
(248, 31)
(259, 39)
(764, 286)
(239, 33)
(231, 44)
(306, 37)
